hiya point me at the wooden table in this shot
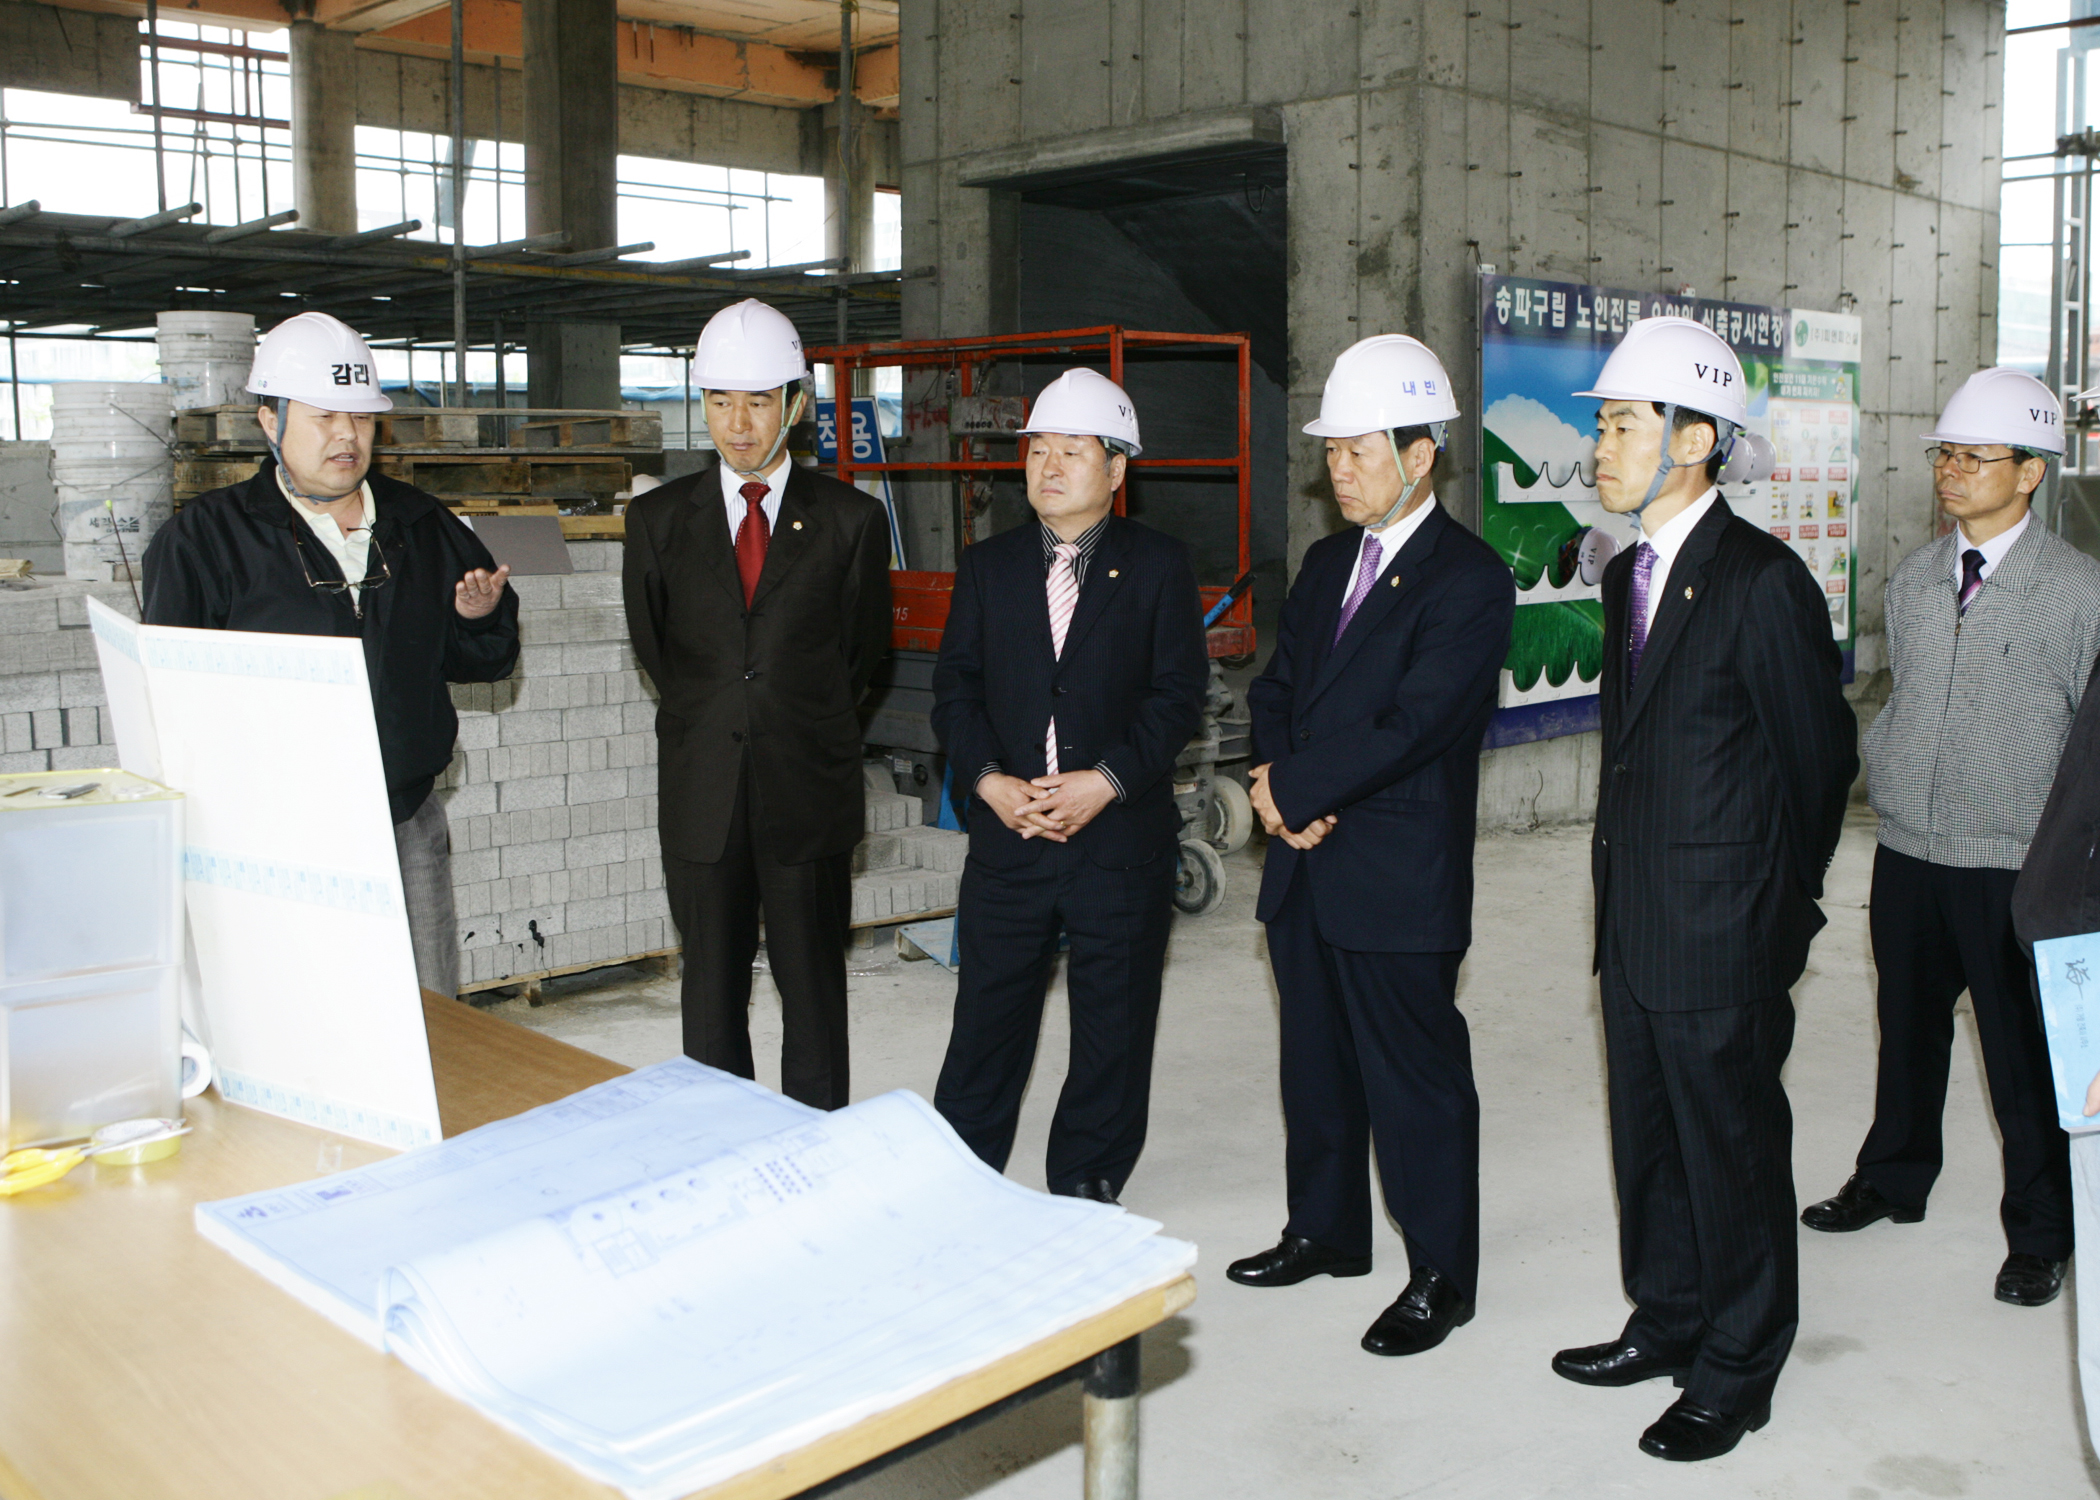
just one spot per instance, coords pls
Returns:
(141, 1362)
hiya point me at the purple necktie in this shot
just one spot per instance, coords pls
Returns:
(1366, 575)
(1637, 627)
(1971, 577)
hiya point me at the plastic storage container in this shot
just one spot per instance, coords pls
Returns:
(113, 461)
(90, 953)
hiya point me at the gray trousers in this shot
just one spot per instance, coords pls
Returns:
(424, 843)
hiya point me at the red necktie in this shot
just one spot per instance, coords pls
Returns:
(751, 538)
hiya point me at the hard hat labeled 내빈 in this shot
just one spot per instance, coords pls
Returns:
(748, 346)
(1082, 403)
(320, 361)
(1381, 383)
(1678, 362)
(2003, 406)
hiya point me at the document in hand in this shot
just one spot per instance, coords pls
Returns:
(2069, 970)
(673, 1277)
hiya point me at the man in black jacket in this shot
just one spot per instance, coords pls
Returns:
(1072, 673)
(758, 600)
(1729, 751)
(315, 544)
(1367, 732)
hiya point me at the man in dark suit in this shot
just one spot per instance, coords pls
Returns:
(1072, 673)
(1367, 730)
(1728, 754)
(758, 601)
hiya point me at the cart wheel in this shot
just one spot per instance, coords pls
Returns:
(1199, 882)
(1231, 815)
(1236, 663)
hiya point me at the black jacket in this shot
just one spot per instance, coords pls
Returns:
(1127, 693)
(780, 679)
(227, 562)
(1383, 727)
(2058, 893)
(1725, 772)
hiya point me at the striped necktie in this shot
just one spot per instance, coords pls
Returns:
(1062, 588)
(1366, 575)
(1644, 559)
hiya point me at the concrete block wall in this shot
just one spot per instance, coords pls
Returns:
(51, 701)
(1783, 151)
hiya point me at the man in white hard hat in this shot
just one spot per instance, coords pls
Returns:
(758, 600)
(1992, 634)
(1728, 754)
(1072, 673)
(317, 544)
(1367, 727)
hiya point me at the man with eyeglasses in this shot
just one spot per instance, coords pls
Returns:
(1992, 633)
(316, 544)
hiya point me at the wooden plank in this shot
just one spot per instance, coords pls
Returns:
(232, 426)
(487, 1069)
(636, 429)
(594, 528)
(537, 974)
(830, 1456)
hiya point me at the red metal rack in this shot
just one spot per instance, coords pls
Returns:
(921, 598)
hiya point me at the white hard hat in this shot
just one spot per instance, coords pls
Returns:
(318, 360)
(2003, 406)
(1382, 383)
(1679, 362)
(1081, 403)
(748, 346)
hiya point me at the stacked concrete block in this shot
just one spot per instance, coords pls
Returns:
(552, 792)
(903, 869)
(51, 703)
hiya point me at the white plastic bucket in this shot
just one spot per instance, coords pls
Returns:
(114, 469)
(204, 356)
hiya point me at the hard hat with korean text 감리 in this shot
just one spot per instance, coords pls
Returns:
(320, 361)
(1678, 362)
(748, 346)
(1381, 383)
(2003, 406)
(1085, 403)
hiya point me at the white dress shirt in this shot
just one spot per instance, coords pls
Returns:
(1390, 541)
(1668, 541)
(1993, 550)
(352, 551)
(733, 499)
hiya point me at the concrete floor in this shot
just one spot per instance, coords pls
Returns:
(1908, 1379)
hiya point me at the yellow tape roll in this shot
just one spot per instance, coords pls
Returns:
(132, 1143)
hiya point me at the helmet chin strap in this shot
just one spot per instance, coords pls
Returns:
(283, 469)
(1407, 494)
(780, 440)
(1724, 441)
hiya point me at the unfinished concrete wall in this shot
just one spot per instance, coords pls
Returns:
(68, 51)
(1787, 151)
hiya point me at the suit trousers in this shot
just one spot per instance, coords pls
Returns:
(1938, 930)
(1702, 1142)
(423, 844)
(808, 908)
(1376, 1052)
(1007, 926)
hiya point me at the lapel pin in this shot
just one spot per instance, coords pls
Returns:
(1687, 592)
(1396, 581)
(798, 527)
(1115, 573)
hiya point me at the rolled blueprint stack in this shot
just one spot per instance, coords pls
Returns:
(715, 1275)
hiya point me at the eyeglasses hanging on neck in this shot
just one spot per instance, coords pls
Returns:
(384, 576)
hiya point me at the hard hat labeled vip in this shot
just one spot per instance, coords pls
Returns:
(2003, 406)
(320, 361)
(1677, 362)
(748, 346)
(1082, 403)
(1381, 383)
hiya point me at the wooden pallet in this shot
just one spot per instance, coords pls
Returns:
(520, 428)
(631, 429)
(196, 476)
(221, 428)
(548, 476)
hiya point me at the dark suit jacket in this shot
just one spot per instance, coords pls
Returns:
(2058, 893)
(1726, 770)
(1383, 728)
(1127, 693)
(780, 679)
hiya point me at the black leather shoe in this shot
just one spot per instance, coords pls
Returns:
(1616, 1363)
(1689, 1432)
(1420, 1318)
(1857, 1204)
(1295, 1259)
(2030, 1281)
(1093, 1189)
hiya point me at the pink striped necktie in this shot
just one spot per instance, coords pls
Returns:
(1366, 575)
(1063, 591)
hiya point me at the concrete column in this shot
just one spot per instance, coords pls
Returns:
(849, 226)
(572, 144)
(324, 127)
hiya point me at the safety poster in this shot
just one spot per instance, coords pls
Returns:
(1541, 340)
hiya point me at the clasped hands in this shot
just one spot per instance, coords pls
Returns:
(1049, 807)
(1272, 820)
